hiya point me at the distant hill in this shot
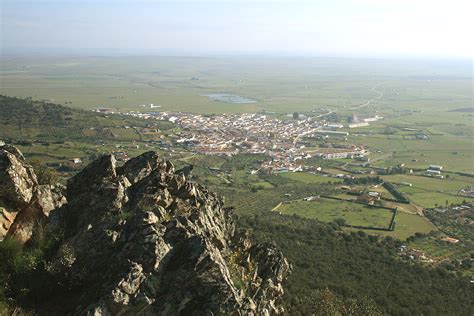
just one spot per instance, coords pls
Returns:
(26, 120)
(29, 112)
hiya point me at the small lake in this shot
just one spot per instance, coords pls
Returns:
(229, 98)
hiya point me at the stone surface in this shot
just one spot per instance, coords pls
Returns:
(26, 204)
(17, 178)
(143, 240)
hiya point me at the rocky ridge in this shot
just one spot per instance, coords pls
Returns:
(141, 239)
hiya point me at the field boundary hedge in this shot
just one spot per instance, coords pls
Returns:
(400, 197)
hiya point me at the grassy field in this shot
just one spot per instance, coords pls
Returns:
(454, 152)
(329, 210)
(179, 83)
(416, 95)
(406, 225)
(428, 192)
(308, 177)
(278, 84)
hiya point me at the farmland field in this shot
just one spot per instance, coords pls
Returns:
(406, 225)
(277, 84)
(329, 210)
(308, 178)
(428, 192)
(415, 97)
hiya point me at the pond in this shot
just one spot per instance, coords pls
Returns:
(229, 98)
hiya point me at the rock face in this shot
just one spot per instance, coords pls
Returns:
(142, 240)
(17, 178)
(24, 203)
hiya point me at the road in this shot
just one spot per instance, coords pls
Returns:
(371, 100)
(374, 89)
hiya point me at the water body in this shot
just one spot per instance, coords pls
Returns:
(229, 98)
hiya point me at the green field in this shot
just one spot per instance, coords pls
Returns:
(428, 192)
(359, 215)
(308, 177)
(417, 96)
(406, 225)
(178, 83)
(329, 210)
(278, 84)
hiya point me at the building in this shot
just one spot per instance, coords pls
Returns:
(373, 119)
(105, 110)
(354, 125)
(422, 136)
(334, 126)
(353, 119)
(326, 132)
(369, 198)
(416, 254)
(311, 198)
(450, 240)
(76, 161)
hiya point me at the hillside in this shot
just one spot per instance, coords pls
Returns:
(154, 226)
(53, 135)
(27, 120)
(135, 239)
(357, 269)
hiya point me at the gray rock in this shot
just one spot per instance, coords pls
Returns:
(146, 241)
(26, 204)
(17, 178)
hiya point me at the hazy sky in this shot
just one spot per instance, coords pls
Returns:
(294, 27)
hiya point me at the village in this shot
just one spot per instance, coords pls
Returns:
(280, 140)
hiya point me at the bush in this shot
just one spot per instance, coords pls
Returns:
(23, 276)
(45, 174)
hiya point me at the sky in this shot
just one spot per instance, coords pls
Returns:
(371, 28)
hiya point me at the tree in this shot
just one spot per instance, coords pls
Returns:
(340, 221)
(45, 174)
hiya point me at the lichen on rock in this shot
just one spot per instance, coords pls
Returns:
(144, 240)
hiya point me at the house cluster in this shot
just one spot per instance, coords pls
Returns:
(231, 134)
(355, 121)
(354, 152)
(468, 192)
(414, 254)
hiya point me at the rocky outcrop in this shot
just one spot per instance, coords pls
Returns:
(141, 239)
(17, 178)
(6, 220)
(25, 203)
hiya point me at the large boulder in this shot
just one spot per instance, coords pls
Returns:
(33, 218)
(17, 178)
(6, 220)
(25, 205)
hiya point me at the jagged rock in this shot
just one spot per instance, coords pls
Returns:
(33, 217)
(17, 178)
(6, 220)
(140, 167)
(26, 203)
(146, 241)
